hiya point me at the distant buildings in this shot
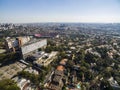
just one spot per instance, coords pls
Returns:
(6, 26)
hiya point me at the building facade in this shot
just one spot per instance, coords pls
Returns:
(24, 45)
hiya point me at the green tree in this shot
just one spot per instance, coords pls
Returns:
(8, 84)
(102, 51)
(105, 85)
(48, 49)
(32, 77)
(81, 54)
(70, 63)
(90, 58)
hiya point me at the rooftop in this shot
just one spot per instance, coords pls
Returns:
(54, 87)
(33, 40)
(57, 78)
(10, 70)
(60, 68)
(63, 61)
(58, 72)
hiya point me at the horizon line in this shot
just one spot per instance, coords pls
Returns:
(54, 22)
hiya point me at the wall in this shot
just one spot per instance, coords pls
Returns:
(34, 46)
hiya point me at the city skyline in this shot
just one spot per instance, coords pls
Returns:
(30, 11)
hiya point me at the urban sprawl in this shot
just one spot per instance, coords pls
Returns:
(60, 56)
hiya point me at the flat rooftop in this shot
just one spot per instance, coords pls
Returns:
(45, 62)
(10, 70)
(33, 40)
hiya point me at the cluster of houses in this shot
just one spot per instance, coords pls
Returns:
(57, 78)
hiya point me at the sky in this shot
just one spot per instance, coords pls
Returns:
(30, 11)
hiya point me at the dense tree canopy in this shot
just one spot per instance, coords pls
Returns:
(8, 84)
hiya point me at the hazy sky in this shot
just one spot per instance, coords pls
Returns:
(22, 11)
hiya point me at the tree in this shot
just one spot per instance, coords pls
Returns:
(81, 54)
(107, 74)
(89, 75)
(102, 51)
(62, 55)
(48, 49)
(8, 84)
(39, 49)
(64, 88)
(6, 58)
(70, 63)
(105, 85)
(90, 58)
(83, 63)
(32, 77)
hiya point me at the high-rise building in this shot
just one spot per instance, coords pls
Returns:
(24, 45)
